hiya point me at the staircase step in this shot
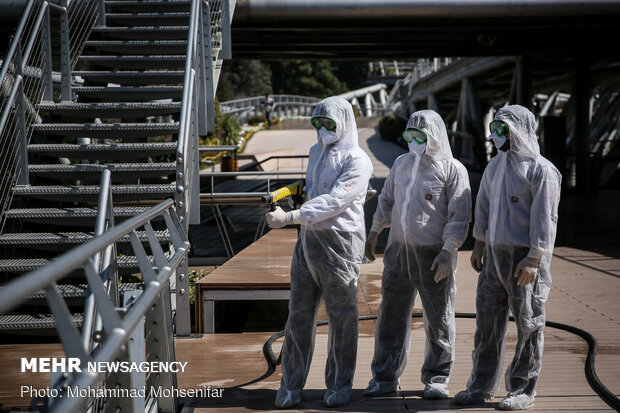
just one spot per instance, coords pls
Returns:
(137, 62)
(125, 131)
(63, 240)
(147, 19)
(141, 33)
(69, 216)
(90, 193)
(118, 151)
(120, 171)
(135, 78)
(33, 322)
(148, 6)
(76, 292)
(112, 110)
(131, 47)
(128, 93)
(125, 264)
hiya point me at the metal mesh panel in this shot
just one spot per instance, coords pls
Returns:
(81, 18)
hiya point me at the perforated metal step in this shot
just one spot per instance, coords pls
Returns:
(148, 6)
(124, 131)
(61, 240)
(69, 216)
(128, 93)
(147, 19)
(118, 151)
(135, 78)
(128, 264)
(90, 193)
(129, 47)
(112, 109)
(144, 32)
(75, 291)
(120, 171)
(33, 322)
(136, 62)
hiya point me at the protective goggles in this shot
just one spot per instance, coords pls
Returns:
(499, 128)
(412, 134)
(322, 121)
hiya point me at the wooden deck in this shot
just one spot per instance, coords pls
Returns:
(583, 295)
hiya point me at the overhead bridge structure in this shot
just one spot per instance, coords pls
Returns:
(102, 103)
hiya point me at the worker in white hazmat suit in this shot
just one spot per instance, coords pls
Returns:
(426, 200)
(327, 256)
(515, 225)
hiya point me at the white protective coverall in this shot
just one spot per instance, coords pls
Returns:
(326, 260)
(516, 216)
(426, 200)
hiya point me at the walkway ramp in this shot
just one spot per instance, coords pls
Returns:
(580, 297)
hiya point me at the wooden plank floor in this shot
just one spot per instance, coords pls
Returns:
(583, 294)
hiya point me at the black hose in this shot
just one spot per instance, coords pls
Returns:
(590, 371)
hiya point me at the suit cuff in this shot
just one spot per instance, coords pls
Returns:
(295, 217)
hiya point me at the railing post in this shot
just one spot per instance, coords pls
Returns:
(20, 118)
(226, 38)
(65, 56)
(160, 345)
(46, 52)
(101, 16)
(206, 104)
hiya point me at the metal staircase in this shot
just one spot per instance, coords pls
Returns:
(124, 112)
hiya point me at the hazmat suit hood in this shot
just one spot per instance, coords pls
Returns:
(522, 125)
(341, 112)
(429, 121)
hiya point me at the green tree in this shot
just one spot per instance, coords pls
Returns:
(243, 78)
(307, 78)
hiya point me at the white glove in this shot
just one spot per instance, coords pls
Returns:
(443, 265)
(527, 270)
(279, 218)
(476, 256)
(371, 243)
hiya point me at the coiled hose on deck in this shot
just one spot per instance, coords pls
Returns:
(603, 392)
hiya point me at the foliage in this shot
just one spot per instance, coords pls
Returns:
(306, 78)
(243, 78)
(230, 129)
(193, 277)
(390, 127)
(318, 78)
(256, 119)
(226, 129)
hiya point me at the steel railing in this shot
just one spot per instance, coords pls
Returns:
(209, 27)
(145, 320)
(26, 79)
(286, 105)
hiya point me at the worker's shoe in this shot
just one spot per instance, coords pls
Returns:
(465, 397)
(287, 398)
(378, 388)
(436, 391)
(335, 398)
(516, 402)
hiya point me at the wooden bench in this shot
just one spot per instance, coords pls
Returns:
(259, 272)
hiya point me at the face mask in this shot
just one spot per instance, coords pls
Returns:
(327, 137)
(499, 141)
(417, 148)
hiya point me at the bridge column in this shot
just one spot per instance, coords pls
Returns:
(469, 118)
(368, 105)
(524, 80)
(432, 102)
(582, 121)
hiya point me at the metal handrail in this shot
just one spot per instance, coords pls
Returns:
(117, 332)
(15, 292)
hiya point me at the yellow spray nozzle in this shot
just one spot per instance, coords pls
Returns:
(295, 188)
